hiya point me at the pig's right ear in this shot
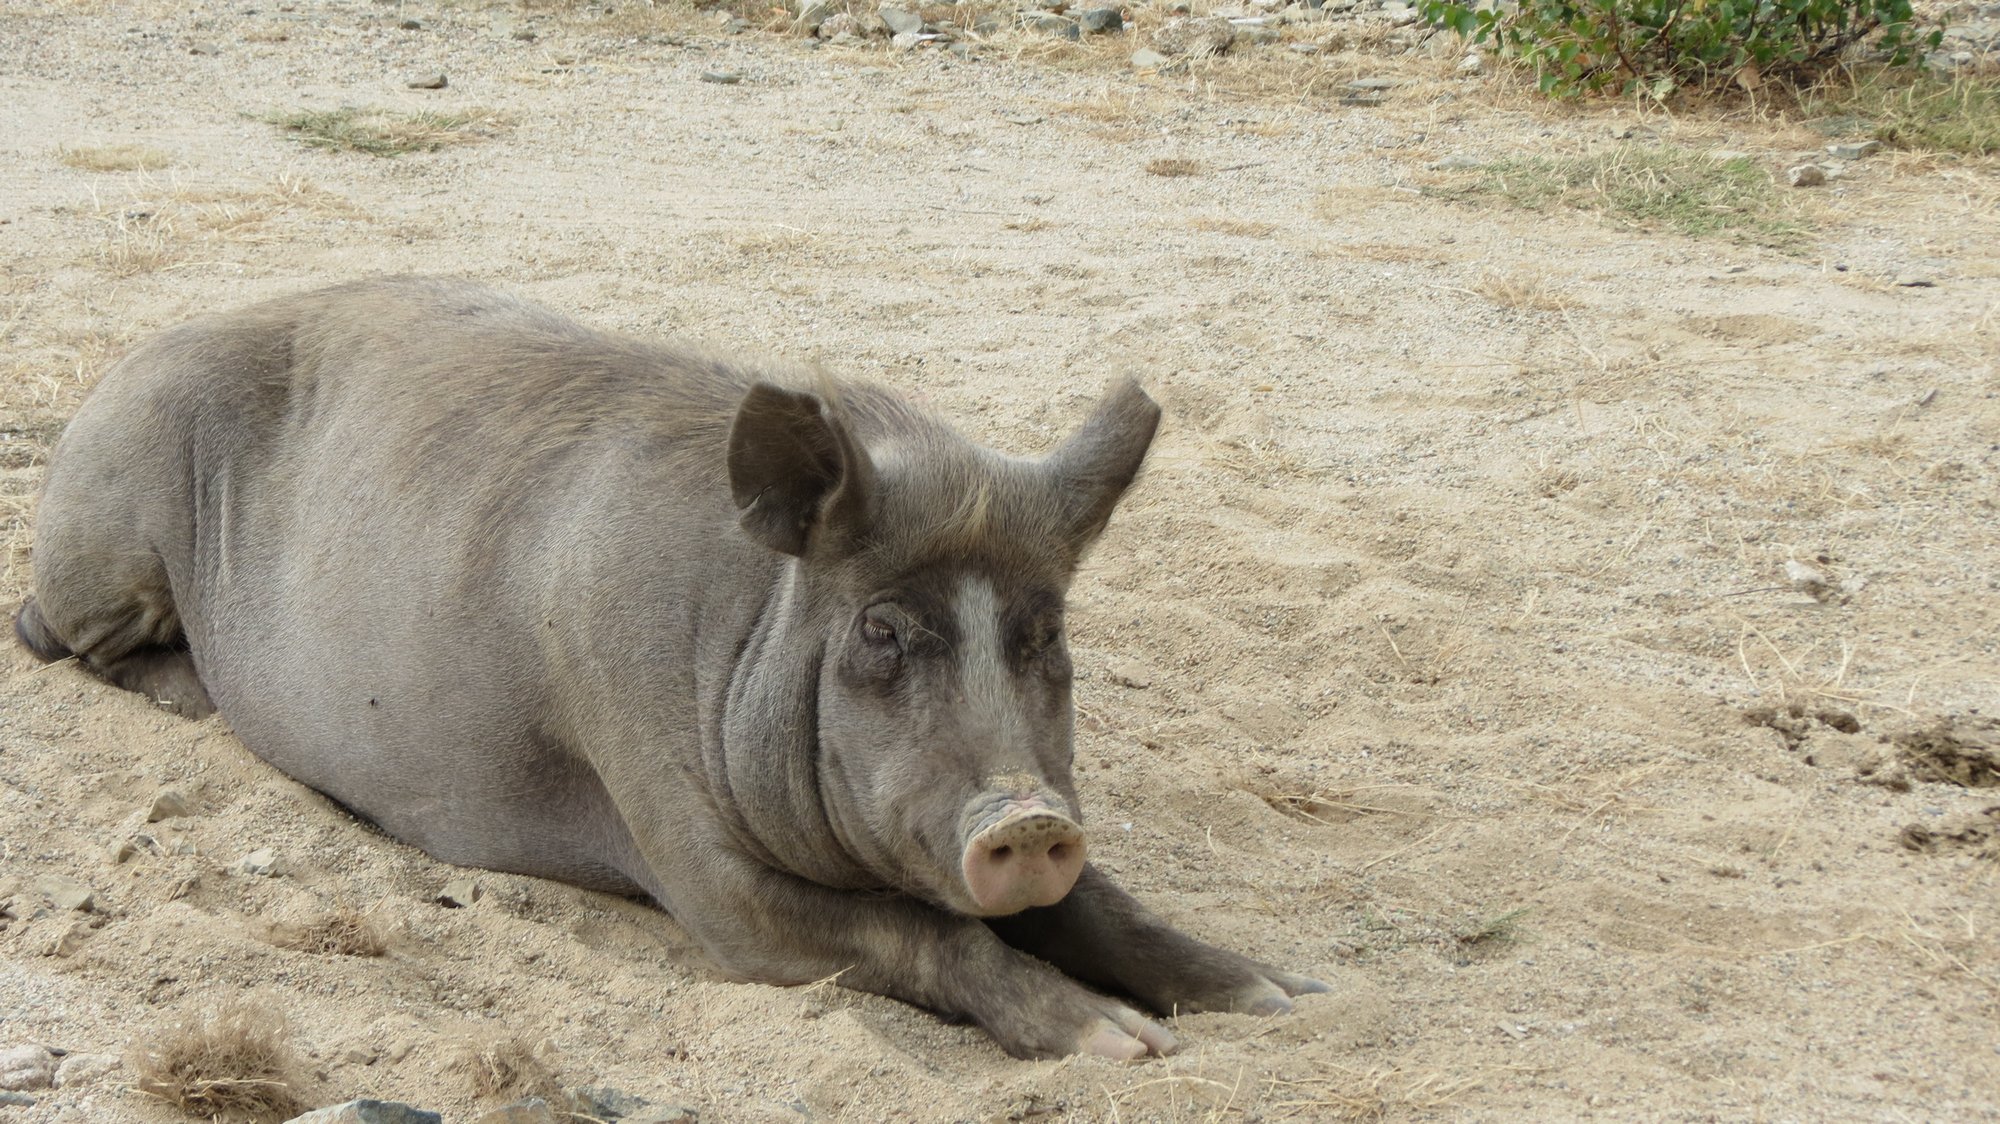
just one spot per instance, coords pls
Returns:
(794, 469)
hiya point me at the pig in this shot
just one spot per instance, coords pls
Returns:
(784, 653)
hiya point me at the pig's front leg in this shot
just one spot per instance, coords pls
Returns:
(1102, 935)
(773, 928)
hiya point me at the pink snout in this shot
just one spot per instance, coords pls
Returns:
(1030, 858)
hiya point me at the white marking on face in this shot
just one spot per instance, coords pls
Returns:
(982, 663)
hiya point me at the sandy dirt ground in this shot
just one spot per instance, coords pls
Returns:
(1448, 650)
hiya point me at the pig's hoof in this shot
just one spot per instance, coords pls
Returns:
(1128, 1036)
(1273, 994)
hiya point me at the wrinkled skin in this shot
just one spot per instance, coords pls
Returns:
(786, 655)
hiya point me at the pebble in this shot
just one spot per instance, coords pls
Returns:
(1915, 281)
(1805, 175)
(411, 25)
(1056, 25)
(1200, 37)
(1147, 59)
(840, 25)
(527, 34)
(901, 21)
(1808, 580)
(722, 77)
(82, 1069)
(434, 81)
(1472, 63)
(208, 49)
(459, 893)
(905, 40)
(1097, 21)
(1024, 119)
(65, 894)
(26, 1067)
(534, 1110)
(16, 1100)
(1855, 151)
(168, 802)
(368, 1112)
(262, 861)
(1374, 84)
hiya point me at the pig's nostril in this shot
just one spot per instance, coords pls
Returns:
(1059, 852)
(1001, 853)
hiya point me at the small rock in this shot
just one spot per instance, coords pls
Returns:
(534, 1110)
(359, 1055)
(1915, 281)
(900, 21)
(16, 1100)
(433, 81)
(1257, 34)
(663, 1114)
(1194, 37)
(263, 862)
(1097, 21)
(1129, 674)
(1146, 59)
(411, 25)
(65, 894)
(1855, 151)
(26, 1067)
(811, 14)
(82, 1069)
(1805, 175)
(839, 26)
(1060, 26)
(168, 802)
(1303, 48)
(368, 1112)
(527, 34)
(905, 40)
(722, 77)
(1808, 580)
(459, 893)
(1472, 63)
(208, 49)
(1362, 98)
(1024, 119)
(604, 1102)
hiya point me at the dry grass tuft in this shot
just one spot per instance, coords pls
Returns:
(343, 932)
(1519, 290)
(113, 158)
(1372, 1094)
(234, 1065)
(388, 132)
(509, 1067)
(1173, 166)
(1239, 228)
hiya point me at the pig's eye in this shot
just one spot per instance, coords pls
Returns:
(878, 631)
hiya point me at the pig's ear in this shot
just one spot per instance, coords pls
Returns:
(794, 469)
(1094, 467)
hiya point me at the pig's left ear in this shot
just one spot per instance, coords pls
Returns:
(1094, 467)
(795, 470)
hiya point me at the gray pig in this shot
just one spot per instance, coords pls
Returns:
(786, 655)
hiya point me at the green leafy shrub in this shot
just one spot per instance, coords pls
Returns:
(1593, 46)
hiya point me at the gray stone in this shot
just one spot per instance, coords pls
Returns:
(411, 25)
(1856, 150)
(26, 1067)
(1194, 37)
(604, 1102)
(720, 78)
(1096, 21)
(533, 1110)
(905, 40)
(1374, 84)
(900, 21)
(459, 893)
(65, 894)
(840, 25)
(368, 1112)
(208, 49)
(432, 81)
(1060, 26)
(663, 1114)
(1146, 59)
(1362, 98)
(166, 803)
(1915, 281)
(1303, 48)
(1472, 63)
(263, 862)
(82, 1069)
(16, 1100)
(1805, 175)
(527, 34)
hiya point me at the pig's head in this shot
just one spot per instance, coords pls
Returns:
(932, 573)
